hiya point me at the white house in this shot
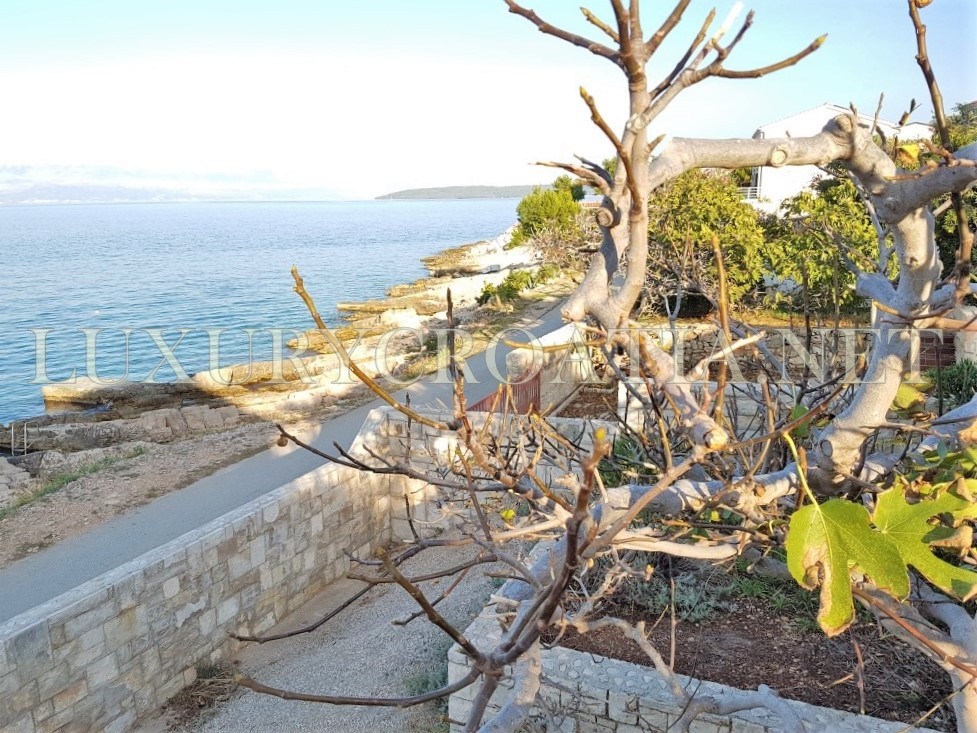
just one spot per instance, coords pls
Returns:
(770, 186)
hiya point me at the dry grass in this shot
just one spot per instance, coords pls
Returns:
(214, 685)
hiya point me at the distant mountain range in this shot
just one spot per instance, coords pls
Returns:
(53, 184)
(461, 192)
(20, 185)
(74, 193)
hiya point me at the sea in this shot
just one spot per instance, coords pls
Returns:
(110, 291)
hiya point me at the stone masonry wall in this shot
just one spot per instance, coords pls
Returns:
(584, 693)
(115, 648)
(434, 510)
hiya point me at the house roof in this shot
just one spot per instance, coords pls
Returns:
(835, 109)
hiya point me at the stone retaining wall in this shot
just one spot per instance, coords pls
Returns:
(435, 510)
(585, 693)
(115, 648)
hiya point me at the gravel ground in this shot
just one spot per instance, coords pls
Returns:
(358, 652)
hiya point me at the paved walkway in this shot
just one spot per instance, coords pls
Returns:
(46, 575)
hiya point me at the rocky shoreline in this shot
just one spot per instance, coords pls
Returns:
(88, 421)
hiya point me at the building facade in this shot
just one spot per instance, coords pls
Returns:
(770, 186)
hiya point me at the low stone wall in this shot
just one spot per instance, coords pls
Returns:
(585, 693)
(112, 650)
(434, 510)
(115, 648)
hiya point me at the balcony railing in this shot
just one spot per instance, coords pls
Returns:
(749, 192)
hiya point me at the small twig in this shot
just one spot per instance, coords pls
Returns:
(447, 592)
(432, 614)
(859, 676)
(350, 364)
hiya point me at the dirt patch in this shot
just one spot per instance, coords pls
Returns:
(592, 403)
(98, 497)
(752, 644)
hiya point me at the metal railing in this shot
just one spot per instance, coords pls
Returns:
(19, 431)
(525, 394)
(749, 193)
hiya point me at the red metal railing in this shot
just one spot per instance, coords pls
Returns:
(525, 395)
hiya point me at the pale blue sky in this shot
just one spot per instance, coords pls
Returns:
(359, 98)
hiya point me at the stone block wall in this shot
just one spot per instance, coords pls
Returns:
(115, 648)
(435, 510)
(585, 693)
(112, 650)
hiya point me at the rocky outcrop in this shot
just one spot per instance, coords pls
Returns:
(157, 426)
(45, 464)
(12, 481)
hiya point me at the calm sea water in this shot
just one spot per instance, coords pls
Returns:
(188, 267)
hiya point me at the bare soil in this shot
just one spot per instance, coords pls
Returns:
(91, 500)
(754, 644)
(592, 403)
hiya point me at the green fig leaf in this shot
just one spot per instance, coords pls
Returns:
(826, 543)
(909, 528)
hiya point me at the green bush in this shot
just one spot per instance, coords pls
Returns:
(694, 599)
(957, 383)
(628, 462)
(575, 188)
(962, 124)
(545, 211)
(802, 242)
(517, 239)
(515, 282)
(683, 217)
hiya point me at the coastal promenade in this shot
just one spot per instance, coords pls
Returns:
(46, 575)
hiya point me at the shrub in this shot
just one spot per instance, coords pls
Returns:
(548, 211)
(683, 217)
(517, 239)
(802, 243)
(515, 282)
(575, 188)
(694, 599)
(628, 462)
(957, 383)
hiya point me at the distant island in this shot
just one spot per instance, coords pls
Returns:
(461, 192)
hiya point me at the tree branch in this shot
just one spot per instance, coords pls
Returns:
(390, 702)
(595, 48)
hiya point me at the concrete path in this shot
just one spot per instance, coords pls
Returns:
(332, 660)
(46, 575)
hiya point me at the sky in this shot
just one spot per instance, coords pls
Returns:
(356, 99)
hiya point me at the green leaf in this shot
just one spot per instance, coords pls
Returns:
(908, 399)
(804, 429)
(825, 543)
(908, 527)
